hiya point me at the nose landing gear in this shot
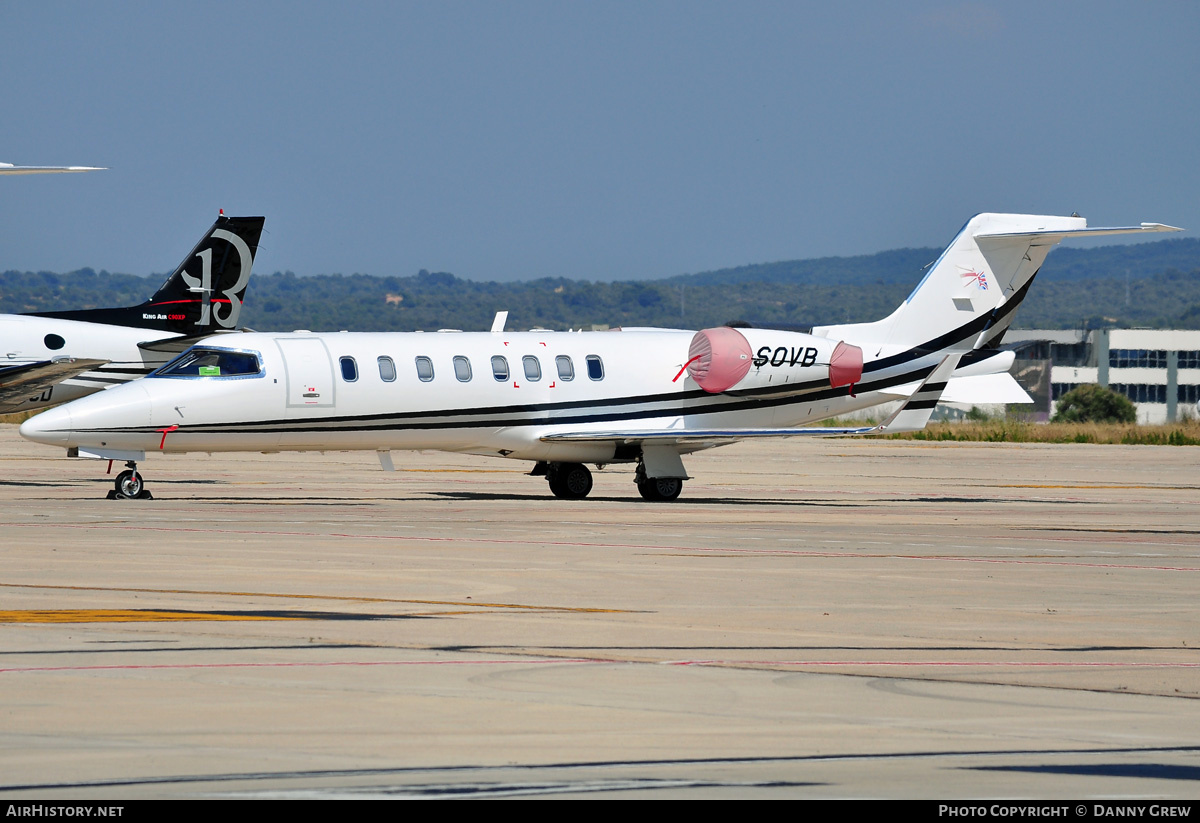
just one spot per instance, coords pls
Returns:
(130, 485)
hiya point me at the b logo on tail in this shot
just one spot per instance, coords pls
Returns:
(204, 284)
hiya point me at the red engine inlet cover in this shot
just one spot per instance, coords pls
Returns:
(845, 365)
(719, 358)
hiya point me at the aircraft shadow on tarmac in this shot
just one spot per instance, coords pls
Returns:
(1157, 771)
(757, 501)
(798, 648)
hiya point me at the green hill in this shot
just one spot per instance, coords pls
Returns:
(1146, 284)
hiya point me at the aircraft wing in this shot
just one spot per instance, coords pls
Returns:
(911, 416)
(29, 379)
(700, 437)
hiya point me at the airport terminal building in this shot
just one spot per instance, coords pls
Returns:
(1158, 369)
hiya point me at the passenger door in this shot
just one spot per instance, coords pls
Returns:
(309, 372)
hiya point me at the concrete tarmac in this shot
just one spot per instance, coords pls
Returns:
(816, 619)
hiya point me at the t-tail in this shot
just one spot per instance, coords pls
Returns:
(204, 293)
(969, 295)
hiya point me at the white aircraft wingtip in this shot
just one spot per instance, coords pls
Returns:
(9, 168)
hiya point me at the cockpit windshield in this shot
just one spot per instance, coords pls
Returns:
(200, 362)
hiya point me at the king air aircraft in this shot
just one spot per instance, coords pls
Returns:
(52, 357)
(561, 400)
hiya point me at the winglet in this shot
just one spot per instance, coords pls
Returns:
(499, 320)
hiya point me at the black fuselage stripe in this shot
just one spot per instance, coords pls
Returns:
(463, 420)
(662, 405)
(969, 329)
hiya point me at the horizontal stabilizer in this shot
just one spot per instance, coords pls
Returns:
(1100, 231)
(985, 388)
(19, 383)
(176, 345)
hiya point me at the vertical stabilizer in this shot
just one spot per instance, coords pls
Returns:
(204, 293)
(968, 297)
(980, 279)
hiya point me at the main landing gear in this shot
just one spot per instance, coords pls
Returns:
(657, 489)
(130, 485)
(573, 481)
(570, 481)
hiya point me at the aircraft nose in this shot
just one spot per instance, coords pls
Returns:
(52, 427)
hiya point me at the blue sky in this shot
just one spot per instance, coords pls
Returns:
(593, 140)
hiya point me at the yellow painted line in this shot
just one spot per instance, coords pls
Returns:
(124, 616)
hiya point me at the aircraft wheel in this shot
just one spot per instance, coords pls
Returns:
(130, 484)
(571, 481)
(660, 488)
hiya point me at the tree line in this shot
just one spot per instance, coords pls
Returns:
(1154, 285)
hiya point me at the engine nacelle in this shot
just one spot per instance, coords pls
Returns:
(732, 360)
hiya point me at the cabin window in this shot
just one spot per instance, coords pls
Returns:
(197, 362)
(533, 369)
(387, 369)
(424, 369)
(54, 342)
(499, 368)
(595, 367)
(566, 369)
(462, 369)
(349, 369)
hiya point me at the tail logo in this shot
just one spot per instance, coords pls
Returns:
(203, 283)
(977, 277)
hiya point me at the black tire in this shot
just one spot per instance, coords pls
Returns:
(570, 481)
(660, 489)
(129, 484)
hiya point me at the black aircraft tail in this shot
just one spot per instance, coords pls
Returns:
(204, 293)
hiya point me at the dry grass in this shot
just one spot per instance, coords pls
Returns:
(19, 417)
(1015, 431)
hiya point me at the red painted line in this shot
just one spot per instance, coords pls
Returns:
(849, 554)
(1045, 563)
(605, 661)
(932, 663)
(195, 300)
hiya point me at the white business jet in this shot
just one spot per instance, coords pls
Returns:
(565, 399)
(9, 168)
(52, 357)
